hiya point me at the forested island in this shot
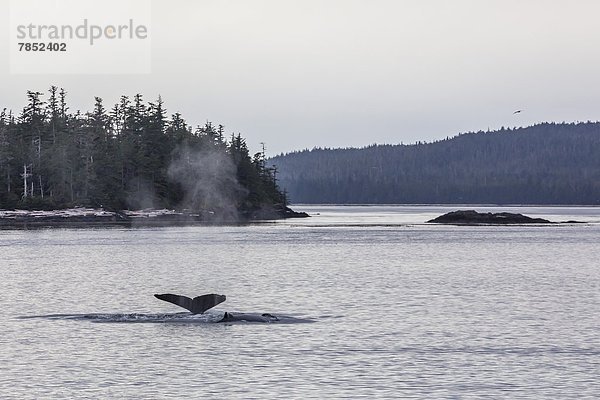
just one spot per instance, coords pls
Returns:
(549, 163)
(130, 157)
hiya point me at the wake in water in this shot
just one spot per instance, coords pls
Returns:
(185, 318)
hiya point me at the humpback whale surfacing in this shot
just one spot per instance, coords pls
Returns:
(197, 305)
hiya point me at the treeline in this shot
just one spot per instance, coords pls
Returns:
(548, 163)
(129, 157)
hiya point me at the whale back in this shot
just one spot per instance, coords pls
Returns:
(197, 305)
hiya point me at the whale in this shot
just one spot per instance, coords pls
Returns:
(197, 305)
(246, 317)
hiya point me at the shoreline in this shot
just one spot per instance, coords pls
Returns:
(80, 217)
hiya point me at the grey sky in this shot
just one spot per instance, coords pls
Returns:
(337, 73)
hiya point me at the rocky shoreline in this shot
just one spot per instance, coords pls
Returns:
(93, 217)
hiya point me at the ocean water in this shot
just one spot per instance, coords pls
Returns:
(386, 307)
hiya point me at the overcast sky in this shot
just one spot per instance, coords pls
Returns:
(338, 73)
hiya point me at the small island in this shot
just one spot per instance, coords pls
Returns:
(471, 217)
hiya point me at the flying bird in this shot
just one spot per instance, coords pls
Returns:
(518, 112)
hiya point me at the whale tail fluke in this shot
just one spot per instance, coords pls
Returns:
(197, 305)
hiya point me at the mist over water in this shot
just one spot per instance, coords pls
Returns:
(401, 309)
(209, 182)
(141, 195)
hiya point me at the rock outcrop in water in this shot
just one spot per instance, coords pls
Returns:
(471, 217)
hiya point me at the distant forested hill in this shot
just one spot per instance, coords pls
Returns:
(547, 163)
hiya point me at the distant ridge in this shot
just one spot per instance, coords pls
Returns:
(548, 163)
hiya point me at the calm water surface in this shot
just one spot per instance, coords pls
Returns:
(400, 309)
